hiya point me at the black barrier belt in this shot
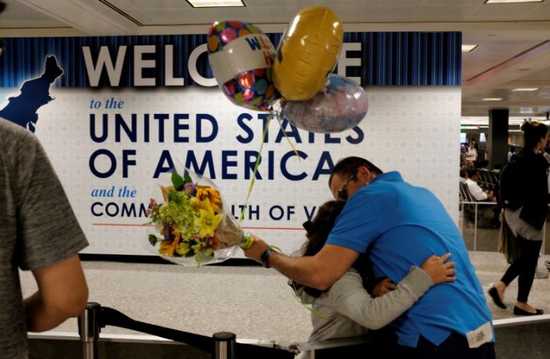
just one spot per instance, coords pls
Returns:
(115, 318)
(109, 316)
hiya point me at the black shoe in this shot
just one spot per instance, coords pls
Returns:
(496, 298)
(519, 311)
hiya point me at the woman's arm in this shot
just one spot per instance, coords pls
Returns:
(348, 297)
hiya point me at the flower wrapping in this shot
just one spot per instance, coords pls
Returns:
(192, 225)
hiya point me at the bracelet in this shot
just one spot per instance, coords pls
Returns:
(265, 256)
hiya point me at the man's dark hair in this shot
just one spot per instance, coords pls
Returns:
(349, 165)
(472, 172)
(2, 6)
(318, 231)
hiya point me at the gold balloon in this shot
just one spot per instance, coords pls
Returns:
(308, 53)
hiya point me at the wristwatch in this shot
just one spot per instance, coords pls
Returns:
(265, 257)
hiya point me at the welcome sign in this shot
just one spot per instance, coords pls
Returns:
(114, 113)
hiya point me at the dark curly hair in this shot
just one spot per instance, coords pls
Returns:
(318, 231)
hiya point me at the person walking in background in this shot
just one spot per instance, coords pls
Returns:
(346, 309)
(402, 225)
(524, 195)
(38, 232)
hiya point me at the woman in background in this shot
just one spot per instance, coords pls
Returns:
(525, 208)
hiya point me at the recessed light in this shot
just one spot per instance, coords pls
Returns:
(492, 99)
(526, 89)
(468, 48)
(510, 1)
(216, 3)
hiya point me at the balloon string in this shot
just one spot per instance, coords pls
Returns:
(288, 139)
(243, 210)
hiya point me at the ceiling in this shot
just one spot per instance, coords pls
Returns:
(513, 39)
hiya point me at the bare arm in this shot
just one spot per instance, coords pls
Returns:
(62, 293)
(319, 271)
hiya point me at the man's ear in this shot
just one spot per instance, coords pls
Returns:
(364, 173)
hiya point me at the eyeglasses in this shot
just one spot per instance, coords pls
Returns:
(343, 191)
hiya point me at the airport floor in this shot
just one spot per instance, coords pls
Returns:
(253, 302)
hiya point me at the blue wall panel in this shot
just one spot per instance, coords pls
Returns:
(387, 58)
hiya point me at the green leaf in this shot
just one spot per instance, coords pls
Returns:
(208, 252)
(187, 178)
(177, 181)
(153, 239)
(191, 253)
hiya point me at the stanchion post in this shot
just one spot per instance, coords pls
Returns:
(88, 327)
(224, 345)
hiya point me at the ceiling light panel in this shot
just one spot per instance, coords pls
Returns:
(216, 3)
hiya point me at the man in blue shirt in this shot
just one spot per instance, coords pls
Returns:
(403, 225)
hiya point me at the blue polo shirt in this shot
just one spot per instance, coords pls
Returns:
(405, 225)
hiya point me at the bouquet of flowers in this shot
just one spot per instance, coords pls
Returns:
(193, 225)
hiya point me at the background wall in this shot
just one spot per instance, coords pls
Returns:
(128, 107)
(414, 130)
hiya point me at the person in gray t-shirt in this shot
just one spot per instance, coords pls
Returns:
(38, 232)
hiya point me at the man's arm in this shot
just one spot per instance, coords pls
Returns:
(477, 192)
(319, 271)
(62, 293)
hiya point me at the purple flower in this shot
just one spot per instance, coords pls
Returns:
(189, 188)
(168, 235)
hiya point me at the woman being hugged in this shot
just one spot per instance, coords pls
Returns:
(346, 309)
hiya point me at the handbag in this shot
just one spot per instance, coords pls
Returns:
(507, 242)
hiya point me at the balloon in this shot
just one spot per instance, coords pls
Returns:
(241, 57)
(308, 53)
(340, 107)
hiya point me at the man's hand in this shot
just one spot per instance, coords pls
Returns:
(385, 286)
(258, 248)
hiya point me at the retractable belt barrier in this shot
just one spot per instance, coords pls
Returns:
(221, 345)
(224, 345)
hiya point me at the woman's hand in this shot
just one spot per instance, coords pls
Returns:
(385, 286)
(440, 271)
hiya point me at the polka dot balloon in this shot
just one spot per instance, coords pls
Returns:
(241, 57)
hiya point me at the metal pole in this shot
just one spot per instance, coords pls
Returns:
(88, 327)
(224, 345)
(475, 229)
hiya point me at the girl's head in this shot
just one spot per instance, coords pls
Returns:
(535, 135)
(319, 229)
